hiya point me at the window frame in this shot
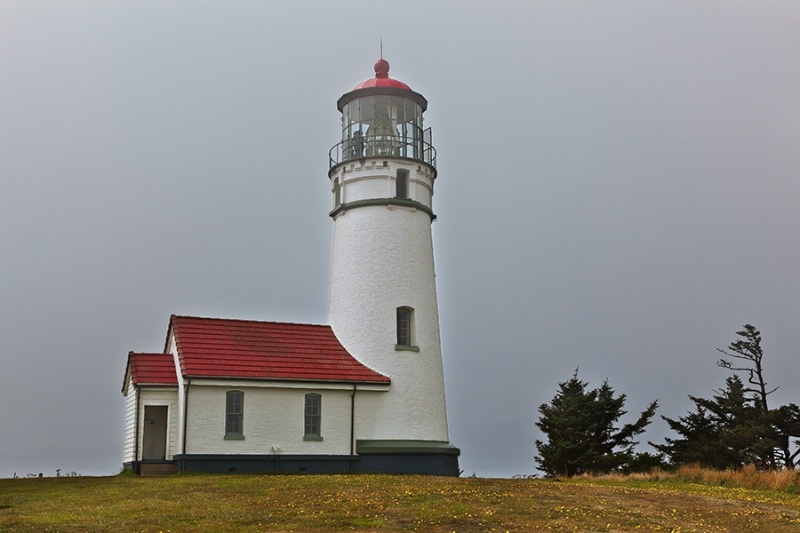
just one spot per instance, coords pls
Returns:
(405, 329)
(234, 415)
(337, 193)
(401, 182)
(313, 420)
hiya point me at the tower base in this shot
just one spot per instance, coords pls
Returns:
(435, 458)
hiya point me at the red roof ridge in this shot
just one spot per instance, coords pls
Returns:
(248, 320)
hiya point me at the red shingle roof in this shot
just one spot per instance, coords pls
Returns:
(152, 369)
(244, 349)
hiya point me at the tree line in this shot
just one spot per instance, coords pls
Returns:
(733, 428)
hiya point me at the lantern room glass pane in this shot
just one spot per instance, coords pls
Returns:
(366, 109)
(381, 125)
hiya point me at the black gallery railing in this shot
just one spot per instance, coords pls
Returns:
(351, 149)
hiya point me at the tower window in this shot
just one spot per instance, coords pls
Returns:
(313, 417)
(405, 329)
(401, 184)
(337, 193)
(234, 415)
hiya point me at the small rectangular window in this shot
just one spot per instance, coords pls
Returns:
(337, 193)
(401, 184)
(405, 330)
(313, 417)
(404, 326)
(234, 415)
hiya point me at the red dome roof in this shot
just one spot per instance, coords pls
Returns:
(381, 78)
(384, 85)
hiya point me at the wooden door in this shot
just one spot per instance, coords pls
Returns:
(154, 439)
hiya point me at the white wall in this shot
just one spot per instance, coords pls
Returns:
(382, 260)
(130, 422)
(273, 416)
(172, 348)
(369, 179)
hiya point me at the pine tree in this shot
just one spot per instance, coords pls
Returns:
(727, 431)
(736, 427)
(582, 438)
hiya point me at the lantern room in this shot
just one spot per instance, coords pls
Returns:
(382, 117)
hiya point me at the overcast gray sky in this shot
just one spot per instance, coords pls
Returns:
(618, 191)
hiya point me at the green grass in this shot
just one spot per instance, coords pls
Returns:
(370, 503)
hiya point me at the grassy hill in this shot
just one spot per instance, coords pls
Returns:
(392, 503)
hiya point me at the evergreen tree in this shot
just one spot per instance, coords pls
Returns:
(748, 349)
(582, 438)
(727, 431)
(736, 427)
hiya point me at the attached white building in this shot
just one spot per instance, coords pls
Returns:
(364, 394)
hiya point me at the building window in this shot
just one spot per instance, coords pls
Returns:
(337, 193)
(234, 415)
(405, 329)
(313, 417)
(401, 184)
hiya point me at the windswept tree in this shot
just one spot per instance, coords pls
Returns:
(726, 431)
(745, 355)
(737, 427)
(581, 432)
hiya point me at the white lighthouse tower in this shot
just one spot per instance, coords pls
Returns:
(383, 305)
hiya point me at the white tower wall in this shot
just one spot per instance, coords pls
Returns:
(382, 260)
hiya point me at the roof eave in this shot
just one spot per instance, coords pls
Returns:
(127, 372)
(290, 380)
(391, 91)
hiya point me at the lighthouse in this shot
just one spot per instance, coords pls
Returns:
(363, 393)
(382, 305)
